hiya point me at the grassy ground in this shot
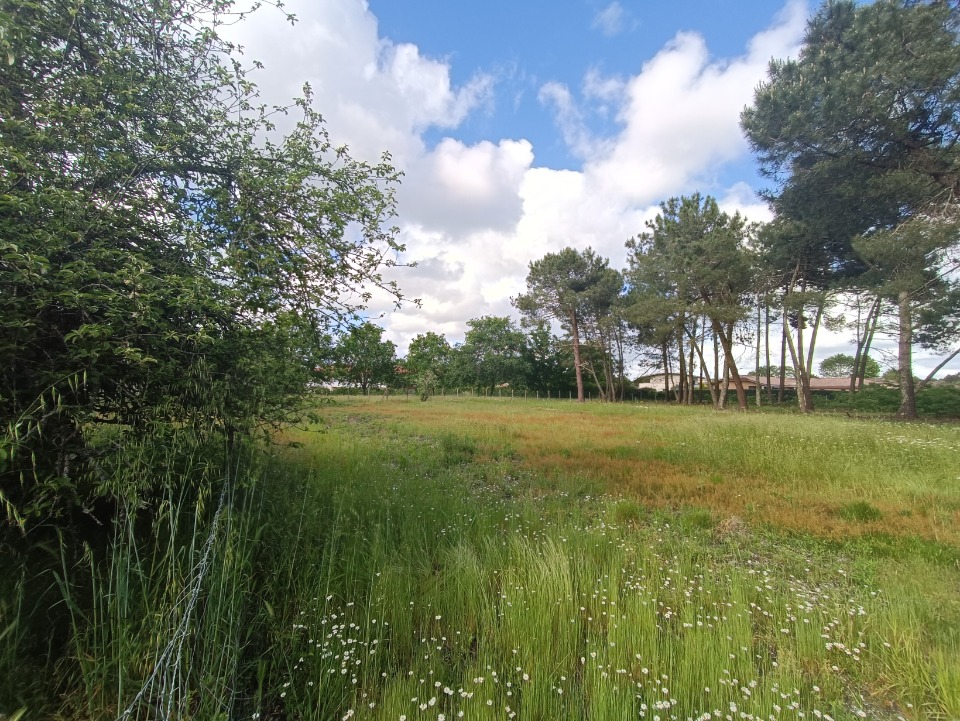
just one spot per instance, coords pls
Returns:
(488, 559)
(828, 475)
(548, 561)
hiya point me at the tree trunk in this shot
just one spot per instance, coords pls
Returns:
(813, 335)
(862, 368)
(766, 346)
(863, 341)
(596, 380)
(621, 378)
(714, 394)
(703, 366)
(666, 370)
(726, 342)
(723, 386)
(681, 366)
(607, 344)
(801, 378)
(925, 381)
(578, 366)
(908, 397)
(802, 361)
(800, 375)
(720, 400)
(781, 393)
(756, 374)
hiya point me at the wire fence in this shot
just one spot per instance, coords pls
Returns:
(630, 395)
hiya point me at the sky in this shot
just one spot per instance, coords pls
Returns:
(523, 127)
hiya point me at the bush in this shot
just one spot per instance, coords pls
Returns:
(935, 401)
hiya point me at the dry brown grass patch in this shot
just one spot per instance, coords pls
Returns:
(612, 450)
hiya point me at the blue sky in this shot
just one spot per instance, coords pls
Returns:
(526, 44)
(524, 127)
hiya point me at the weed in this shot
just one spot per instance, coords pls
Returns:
(859, 511)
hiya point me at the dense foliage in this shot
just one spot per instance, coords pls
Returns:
(165, 254)
(578, 290)
(860, 134)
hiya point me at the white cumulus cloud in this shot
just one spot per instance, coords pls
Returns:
(473, 215)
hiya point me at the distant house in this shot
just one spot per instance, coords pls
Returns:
(658, 382)
(816, 384)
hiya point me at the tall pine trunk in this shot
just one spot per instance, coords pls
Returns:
(756, 374)
(766, 346)
(726, 342)
(908, 398)
(578, 365)
(705, 372)
(781, 393)
(681, 365)
(863, 346)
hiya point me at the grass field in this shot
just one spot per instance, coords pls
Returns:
(542, 560)
(488, 559)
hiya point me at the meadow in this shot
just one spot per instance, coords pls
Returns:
(497, 559)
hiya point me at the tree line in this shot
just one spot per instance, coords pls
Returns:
(858, 138)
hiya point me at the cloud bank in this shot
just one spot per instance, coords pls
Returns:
(474, 215)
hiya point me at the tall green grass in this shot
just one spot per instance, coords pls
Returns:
(151, 616)
(382, 571)
(490, 596)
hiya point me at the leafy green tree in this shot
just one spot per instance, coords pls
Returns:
(604, 329)
(861, 132)
(429, 353)
(566, 286)
(164, 254)
(549, 361)
(842, 365)
(364, 360)
(774, 371)
(654, 307)
(702, 251)
(493, 353)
